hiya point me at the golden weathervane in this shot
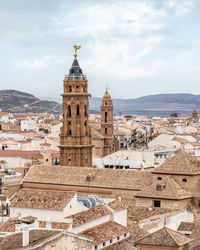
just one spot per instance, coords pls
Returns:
(76, 48)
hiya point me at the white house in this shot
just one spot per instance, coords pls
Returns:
(45, 204)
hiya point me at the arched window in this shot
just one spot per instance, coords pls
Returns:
(69, 131)
(85, 111)
(77, 110)
(70, 88)
(85, 127)
(69, 113)
(106, 131)
(106, 117)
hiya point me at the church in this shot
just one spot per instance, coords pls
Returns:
(75, 172)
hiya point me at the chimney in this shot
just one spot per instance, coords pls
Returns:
(25, 236)
(48, 223)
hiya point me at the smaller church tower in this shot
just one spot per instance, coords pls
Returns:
(107, 123)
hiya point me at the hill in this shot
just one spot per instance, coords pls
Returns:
(19, 102)
(161, 104)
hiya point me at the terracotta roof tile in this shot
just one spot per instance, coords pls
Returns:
(164, 237)
(42, 199)
(166, 188)
(106, 178)
(116, 205)
(186, 226)
(104, 232)
(181, 163)
(14, 240)
(89, 215)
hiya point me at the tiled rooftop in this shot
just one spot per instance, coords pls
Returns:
(104, 232)
(186, 226)
(164, 237)
(39, 198)
(89, 215)
(100, 178)
(14, 240)
(166, 188)
(181, 163)
(116, 205)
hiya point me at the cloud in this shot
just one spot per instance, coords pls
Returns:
(40, 62)
(181, 7)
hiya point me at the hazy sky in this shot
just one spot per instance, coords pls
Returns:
(137, 47)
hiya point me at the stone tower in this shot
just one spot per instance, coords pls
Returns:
(75, 134)
(107, 123)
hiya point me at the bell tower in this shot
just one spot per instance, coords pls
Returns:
(107, 123)
(75, 134)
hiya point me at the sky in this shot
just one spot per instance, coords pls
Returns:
(133, 47)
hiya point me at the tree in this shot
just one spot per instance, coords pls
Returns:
(174, 115)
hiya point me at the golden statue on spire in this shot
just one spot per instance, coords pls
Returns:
(76, 48)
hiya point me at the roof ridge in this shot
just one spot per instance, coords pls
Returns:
(187, 160)
(168, 230)
(170, 179)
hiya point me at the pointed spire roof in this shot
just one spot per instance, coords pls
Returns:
(181, 163)
(107, 95)
(75, 71)
(166, 188)
(165, 237)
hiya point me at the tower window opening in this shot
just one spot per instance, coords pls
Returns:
(69, 114)
(106, 117)
(77, 110)
(106, 131)
(85, 111)
(85, 127)
(70, 88)
(69, 132)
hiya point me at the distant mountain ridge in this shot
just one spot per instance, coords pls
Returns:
(14, 101)
(160, 104)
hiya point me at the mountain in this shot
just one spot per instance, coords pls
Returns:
(19, 102)
(161, 104)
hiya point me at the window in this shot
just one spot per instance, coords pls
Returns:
(106, 131)
(118, 237)
(111, 241)
(106, 117)
(106, 103)
(69, 114)
(104, 244)
(184, 180)
(199, 203)
(70, 88)
(158, 187)
(69, 131)
(77, 110)
(159, 178)
(69, 162)
(96, 247)
(85, 111)
(156, 203)
(125, 235)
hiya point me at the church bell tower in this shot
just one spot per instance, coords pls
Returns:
(75, 134)
(107, 123)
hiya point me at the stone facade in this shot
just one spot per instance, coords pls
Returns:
(75, 134)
